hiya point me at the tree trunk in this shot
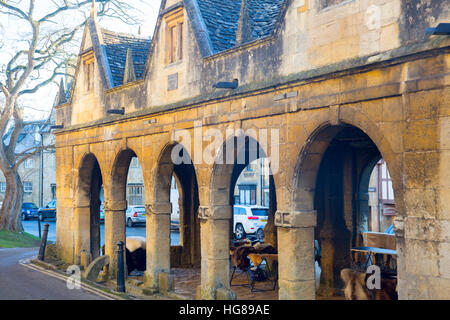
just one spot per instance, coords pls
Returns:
(10, 213)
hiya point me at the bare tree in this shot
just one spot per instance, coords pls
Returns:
(48, 35)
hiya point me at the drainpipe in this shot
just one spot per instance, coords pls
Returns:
(41, 172)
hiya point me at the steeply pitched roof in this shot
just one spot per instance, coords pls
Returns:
(221, 19)
(116, 46)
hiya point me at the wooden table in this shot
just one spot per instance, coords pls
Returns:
(371, 253)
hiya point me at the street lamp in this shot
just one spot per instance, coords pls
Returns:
(227, 85)
(116, 111)
(441, 29)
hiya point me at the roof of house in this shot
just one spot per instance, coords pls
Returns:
(116, 46)
(29, 137)
(221, 19)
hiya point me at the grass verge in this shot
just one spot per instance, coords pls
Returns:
(9, 239)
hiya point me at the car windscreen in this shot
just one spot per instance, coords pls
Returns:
(139, 209)
(28, 205)
(259, 212)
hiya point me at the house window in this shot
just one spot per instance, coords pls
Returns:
(135, 195)
(386, 192)
(28, 164)
(174, 36)
(135, 163)
(27, 187)
(2, 187)
(247, 194)
(88, 66)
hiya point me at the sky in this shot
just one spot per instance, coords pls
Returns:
(38, 105)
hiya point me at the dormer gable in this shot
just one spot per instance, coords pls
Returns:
(117, 46)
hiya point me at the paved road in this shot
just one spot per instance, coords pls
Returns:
(31, 226)
(18, 282)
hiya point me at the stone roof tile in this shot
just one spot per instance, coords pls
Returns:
(116, 46)
(222, 18)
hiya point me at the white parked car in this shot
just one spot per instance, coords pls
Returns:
(135, 215)
(249, 220)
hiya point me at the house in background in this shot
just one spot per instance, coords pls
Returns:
(252, 186)
(381, 199)
(136, 191)
(38, 172)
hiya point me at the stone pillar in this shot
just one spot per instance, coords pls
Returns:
(335, 241)
(270, 230)
(115, 230)
(296, 254)
(158, 247)
(215, 249)
(402, 283)
(82, 234)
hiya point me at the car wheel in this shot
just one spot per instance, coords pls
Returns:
(24, 217)
(41, 217)
(239, 232)
(260, 234)
(130, 223)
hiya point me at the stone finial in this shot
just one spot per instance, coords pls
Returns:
(244, 32)
(93, 10)
(129, 75)
(61, 98)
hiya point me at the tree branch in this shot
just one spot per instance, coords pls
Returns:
(29, 155)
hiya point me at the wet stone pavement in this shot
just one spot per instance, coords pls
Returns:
(187, 280)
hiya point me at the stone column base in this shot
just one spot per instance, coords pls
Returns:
(206, 293)
(161, 282)
(297, 290)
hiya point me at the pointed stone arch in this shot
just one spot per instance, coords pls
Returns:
(297, 223)
(160, 255)
(87, 207)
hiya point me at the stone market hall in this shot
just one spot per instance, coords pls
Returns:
(338, 85)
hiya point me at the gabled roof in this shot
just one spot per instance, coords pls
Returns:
(221, 19)
(116, 46)
(111, 52)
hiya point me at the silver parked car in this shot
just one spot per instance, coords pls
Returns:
(135, 215)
